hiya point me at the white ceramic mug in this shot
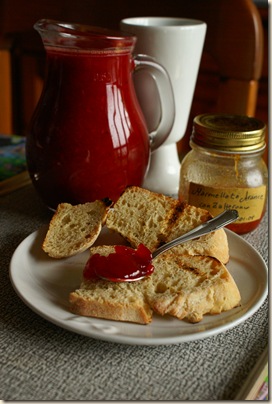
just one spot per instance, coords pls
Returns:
(177, 44)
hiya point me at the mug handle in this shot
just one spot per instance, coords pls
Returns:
(166, 95)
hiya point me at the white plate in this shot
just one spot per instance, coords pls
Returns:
(44, 285)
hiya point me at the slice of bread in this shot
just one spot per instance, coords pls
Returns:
(183, 286)
(187, 287)
(121, 301)
(142, 216)
(74, 229)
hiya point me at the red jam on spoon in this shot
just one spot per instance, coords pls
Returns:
(124, 265)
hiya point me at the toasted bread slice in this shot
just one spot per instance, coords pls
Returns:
(214, 244)
(121, 301)
(74, 229)
(142, 216)
(187, 287)
(183, 286)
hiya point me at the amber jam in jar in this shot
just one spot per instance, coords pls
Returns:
(225, 169)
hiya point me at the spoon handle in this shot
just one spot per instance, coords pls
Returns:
(223, 219)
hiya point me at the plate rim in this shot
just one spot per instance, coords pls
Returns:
(140, 340)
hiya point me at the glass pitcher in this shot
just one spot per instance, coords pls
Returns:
(88, 138)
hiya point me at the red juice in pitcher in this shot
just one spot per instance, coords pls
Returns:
(88, 139)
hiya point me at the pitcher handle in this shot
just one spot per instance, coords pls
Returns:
(166, 95)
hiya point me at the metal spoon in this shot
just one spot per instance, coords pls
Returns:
(223, 219)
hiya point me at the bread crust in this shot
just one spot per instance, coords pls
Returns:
(134, 313)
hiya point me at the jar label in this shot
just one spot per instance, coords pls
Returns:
(248, 201)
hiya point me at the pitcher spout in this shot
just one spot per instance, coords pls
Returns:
(64, 34)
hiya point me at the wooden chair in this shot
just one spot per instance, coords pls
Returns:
(229, 73)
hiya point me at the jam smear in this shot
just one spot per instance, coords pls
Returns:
(125, 264)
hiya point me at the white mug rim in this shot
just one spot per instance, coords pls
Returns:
(162, 22)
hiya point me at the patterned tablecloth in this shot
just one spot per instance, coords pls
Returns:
(40, 361)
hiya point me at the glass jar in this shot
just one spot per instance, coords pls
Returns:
(225, 169)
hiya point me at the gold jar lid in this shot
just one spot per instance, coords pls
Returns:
(229, 133)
